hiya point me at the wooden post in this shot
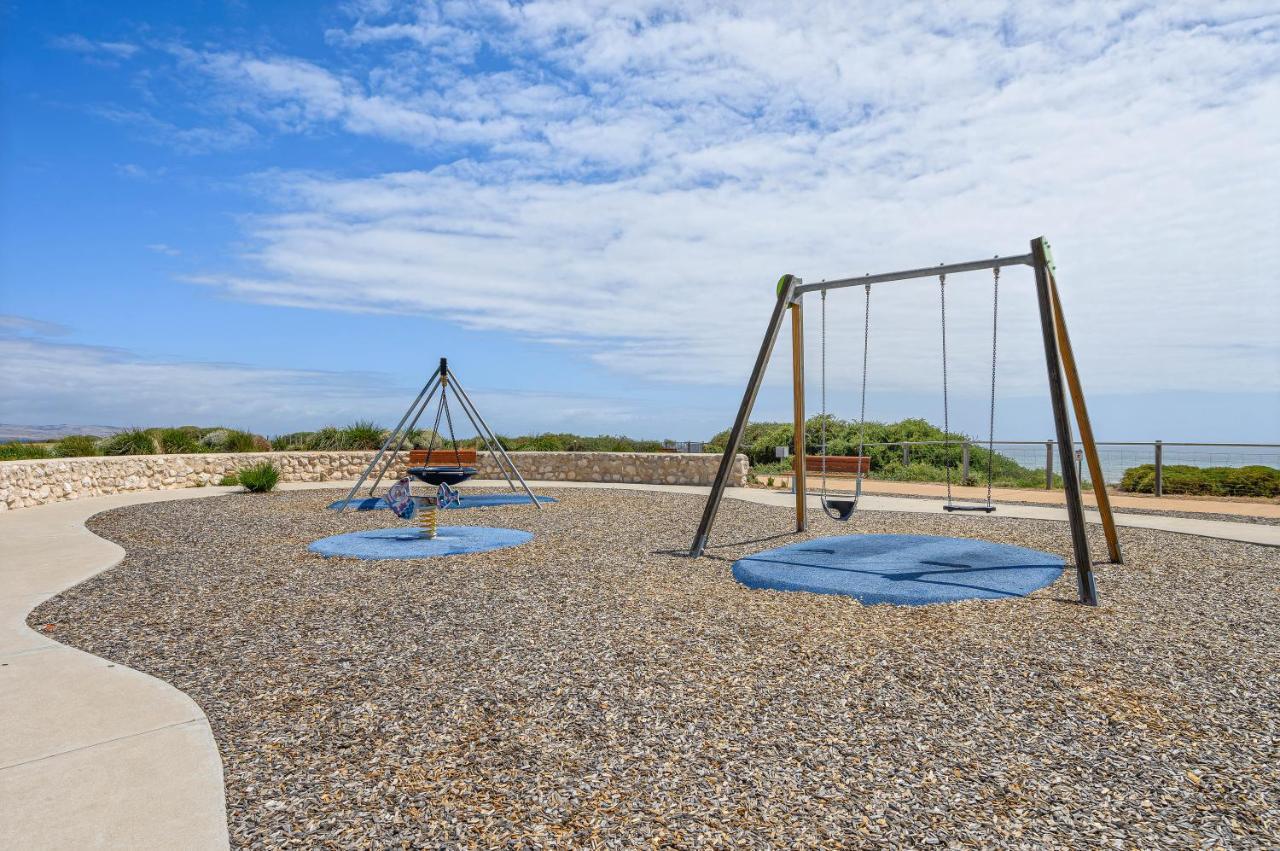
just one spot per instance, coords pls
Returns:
(1048, 465)
(797, 380)
(786, 289)
(1085, 587)
(1082, 420)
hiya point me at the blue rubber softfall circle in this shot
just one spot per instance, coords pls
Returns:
(906, 570)
(407, 542)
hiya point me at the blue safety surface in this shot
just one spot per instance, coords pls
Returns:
(406, 542)
(467, 500)
(906, 570)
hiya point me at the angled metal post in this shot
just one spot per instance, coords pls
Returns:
(466, 400)
(786, 291)
(489, 446)
(1085, 586)
(387, 442)
(426, 403)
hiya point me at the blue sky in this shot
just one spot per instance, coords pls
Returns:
(279, 215)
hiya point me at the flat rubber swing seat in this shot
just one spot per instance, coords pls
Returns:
(442, 475)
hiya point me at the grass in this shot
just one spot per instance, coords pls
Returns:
(134, 441)
(361, 434)
(259, 478)
(77, 446)
(174, 441)
(16, 451)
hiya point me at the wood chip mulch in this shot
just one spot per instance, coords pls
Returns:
(596, 688)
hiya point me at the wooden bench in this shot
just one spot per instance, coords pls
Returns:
(839, 465)
(442, 458)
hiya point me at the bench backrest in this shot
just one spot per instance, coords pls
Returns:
(852, 464)
(441, 458)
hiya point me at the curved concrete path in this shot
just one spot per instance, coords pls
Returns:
(97, 755)
(92, 754)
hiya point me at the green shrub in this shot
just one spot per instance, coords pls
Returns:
(325, 439)
(215, 439)
(229, 480)
(361, 434)
(259, 478)
(233, 440)
(16, 451)
(240, 441)
(76, 446)
(421, 438)
(562, 442)
(297, 441)
(1183, 479)
(177, 441)
(882, 444)
(135, 441)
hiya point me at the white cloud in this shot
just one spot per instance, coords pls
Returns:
(26, 326)
(162, 248)
(633, 177)
(43, 381)
(99, 50)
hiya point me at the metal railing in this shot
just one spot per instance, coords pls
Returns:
(1156, 467)
(685, 445)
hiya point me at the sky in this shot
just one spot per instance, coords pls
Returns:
(278, 216)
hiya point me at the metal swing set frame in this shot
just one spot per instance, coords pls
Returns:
(1060, 367)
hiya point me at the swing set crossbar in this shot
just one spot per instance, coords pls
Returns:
(912, 274)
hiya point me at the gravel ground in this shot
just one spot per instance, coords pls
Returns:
(596, 688)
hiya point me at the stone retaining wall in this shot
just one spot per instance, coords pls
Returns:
(28, 483)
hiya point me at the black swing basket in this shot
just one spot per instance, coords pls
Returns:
(442, 475)
(839, 509)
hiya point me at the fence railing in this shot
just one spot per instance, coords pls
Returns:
(1159, 467)
(685, 446)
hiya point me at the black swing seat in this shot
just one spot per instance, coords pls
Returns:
(986, 509)
(442, 475)
(839, 509)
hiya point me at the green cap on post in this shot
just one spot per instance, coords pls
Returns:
(782, 283)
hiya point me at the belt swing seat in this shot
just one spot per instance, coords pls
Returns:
(950, 506)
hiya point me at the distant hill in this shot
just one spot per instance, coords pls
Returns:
(39, 433)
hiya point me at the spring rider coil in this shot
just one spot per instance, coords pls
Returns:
(427, 518)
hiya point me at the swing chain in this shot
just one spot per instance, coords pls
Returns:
(824, 400)
(991, 421)
(866, 341)
(946, 413)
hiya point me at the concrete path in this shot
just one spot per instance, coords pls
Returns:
(92, 754)
(1251, 533)
(1119, 501)
(97, 755)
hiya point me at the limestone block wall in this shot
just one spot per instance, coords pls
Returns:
(24, 484)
